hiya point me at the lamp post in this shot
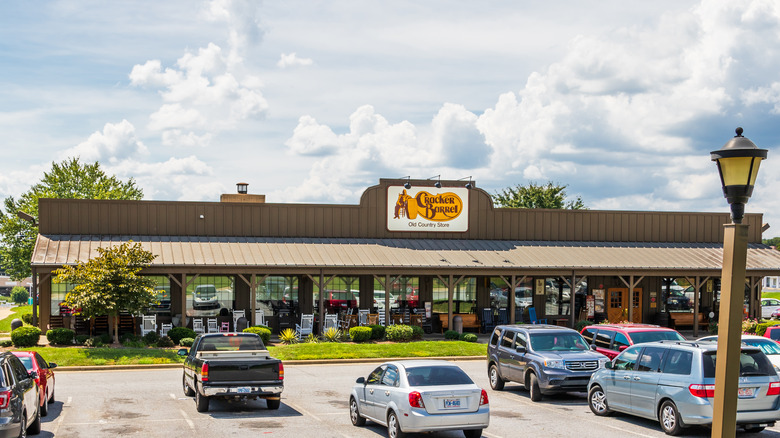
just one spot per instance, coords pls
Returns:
(738, 161)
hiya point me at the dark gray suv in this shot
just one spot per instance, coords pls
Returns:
(544, 358)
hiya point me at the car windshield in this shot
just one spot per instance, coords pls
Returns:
(767, 346)
(652, 336)
(231, 343)
(774, 334)
(27, 361)
(558, 342)
(751, 363)
(437, 375)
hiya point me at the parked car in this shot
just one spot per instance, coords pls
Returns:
(33, 361)
(673, 382)
(19, 398)
(767, 346)
(499, 297)
(773, 333)
(678, 300)
(379, 299)
(611, 339)
(205, 297)
(231, 365)
(420, 396)
(769, 306)
(543, 358)
(339, 300)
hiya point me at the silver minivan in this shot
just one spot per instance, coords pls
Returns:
(674, 382)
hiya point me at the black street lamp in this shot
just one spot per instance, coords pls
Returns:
(738, 162)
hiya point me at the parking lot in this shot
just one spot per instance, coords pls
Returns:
(314, 404)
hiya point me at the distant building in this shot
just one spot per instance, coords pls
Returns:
(6, 285)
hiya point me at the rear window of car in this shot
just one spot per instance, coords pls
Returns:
(437, 376)
(27, 361)
(231, 343)
(652, 336)
(751, 363)
(678, 362)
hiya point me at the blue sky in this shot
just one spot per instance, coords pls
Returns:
(314, 101)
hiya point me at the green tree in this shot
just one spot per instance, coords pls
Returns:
(110, 283)
(19, 295)
(775, 241)
(70, 180)
(537, 196)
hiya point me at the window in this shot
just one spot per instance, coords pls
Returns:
(506, 340)
(589, 334)
(376, 375)
(41, 362)
(162, 289)
(621, 340)
(342, 293)
(464, 299)
(58, 292)
(390, 378)
(20, 372)
(642, 337)
(603, 338)
(679, 362)
(494, 338)
(437, 376)
(751, 363)
(651, 358)
(626, 360)
(521, 340)
(277, 292)
(207, 295)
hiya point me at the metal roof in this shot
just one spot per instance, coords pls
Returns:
(406, 254)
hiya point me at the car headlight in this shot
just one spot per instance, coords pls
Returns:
(554, 363)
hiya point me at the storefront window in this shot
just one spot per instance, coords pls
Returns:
(58, 292)
(342, 293)
(275, 293)
(499, 295)
(406, 291)
(557, 297)
(464, 298)
(211, 296)
(162, 306)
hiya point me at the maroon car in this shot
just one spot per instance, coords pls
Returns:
(611, 339)
(45, 380)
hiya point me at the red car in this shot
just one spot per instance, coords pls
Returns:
(45, 380)
(773, 332)
(611, 339)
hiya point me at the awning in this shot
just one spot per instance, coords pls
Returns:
(472, 257)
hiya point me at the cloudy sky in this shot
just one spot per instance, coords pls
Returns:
(313, 101)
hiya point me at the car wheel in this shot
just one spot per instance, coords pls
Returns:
(754, 429)
(201, 402)
(273, 404)
(669, 418)
(496, 382)
(536, 392)
(51, 396)
(597, 401)
(472, 433)
(187, 390)
(44, 409)
(354, 413)
(23, 425)
(393, 426)
(35, 427)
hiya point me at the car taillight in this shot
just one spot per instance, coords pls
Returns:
(774, 389)
(483, 399)
(5, 396)
(415, 400)
(204, 372)
(281, 371)
(704, 391)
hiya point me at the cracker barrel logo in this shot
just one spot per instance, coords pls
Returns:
(440, 207)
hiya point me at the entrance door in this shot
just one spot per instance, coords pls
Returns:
(617, 304)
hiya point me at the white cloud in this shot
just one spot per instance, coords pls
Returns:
(292, 60)
(115, 143)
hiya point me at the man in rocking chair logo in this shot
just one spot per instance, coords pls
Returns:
(427, 209)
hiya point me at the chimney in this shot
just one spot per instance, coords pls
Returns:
(242, 195)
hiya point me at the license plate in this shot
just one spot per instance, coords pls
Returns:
(450, 403)
(745, 392)
(243, 390)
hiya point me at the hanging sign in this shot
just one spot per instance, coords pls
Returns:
(427, 209)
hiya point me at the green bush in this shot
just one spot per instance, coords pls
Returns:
(262, 331)
(581, 324)
(164, 342)
(106, 338)
(186, 342)
(26, 336)
(6, 343)
(130, 343)
(761, 328)
(129, 337)
(399, 333)
(451, 335)
(312, 339)
(377, 332)
(288, 336)
(335, 335)
(60, 336)
(178, 333)
(417, 332)
(360, 334)
(468, 337)
(151, 338)
(713, 327)
(19, 295)
(27, 318)
(94, 341)
(81, 339)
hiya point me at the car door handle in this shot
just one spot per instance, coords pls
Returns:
(637, 378)
(626, 377)
(387, 393)
(370, 391)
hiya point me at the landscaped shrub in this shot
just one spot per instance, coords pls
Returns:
(312, 339)
(6, 343)
(581, 324)
(398, 333)
(151, 338)
(165, 342)
(177, 333)
(417, 332)
(129, 337)
(451, 335)
(19, 295)
(377, 332)
(60, 336)
(27, 318)
(186, 342)
(749, 326)
(80, 339)
(360, 334)
(468, 337)
(26, 336)
(106, 338)
(130, 343)
(288, 336)
(263, 332)
(335, 335)
(761, 328)
(93, 342)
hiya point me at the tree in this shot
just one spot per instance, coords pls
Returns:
(70, 180)
(19, 295)
(537, 196)
(109, 283)
(775, 241)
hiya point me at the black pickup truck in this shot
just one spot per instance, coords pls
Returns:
(231, 365)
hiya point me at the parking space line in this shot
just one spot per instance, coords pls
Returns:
(62, 416)
(307, 413)
(489, 435)
(187, 419)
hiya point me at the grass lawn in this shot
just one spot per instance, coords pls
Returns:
(79, 356)
(770, 295)
(5, 324)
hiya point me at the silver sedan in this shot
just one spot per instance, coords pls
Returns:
(420, 396)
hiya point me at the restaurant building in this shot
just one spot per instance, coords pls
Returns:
(408, 247)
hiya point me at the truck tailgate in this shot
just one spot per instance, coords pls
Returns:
(237, 371)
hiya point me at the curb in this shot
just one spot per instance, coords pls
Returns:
(287, 362)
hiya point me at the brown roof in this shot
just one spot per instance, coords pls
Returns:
(408, 255)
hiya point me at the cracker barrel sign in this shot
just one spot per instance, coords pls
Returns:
(427, 209)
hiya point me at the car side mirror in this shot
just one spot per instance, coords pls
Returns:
(52, 365)
(520, 349)
(622, 347)
(593, 347)
(183, 352)
(361, 380)
(33, 375)
(608, 365)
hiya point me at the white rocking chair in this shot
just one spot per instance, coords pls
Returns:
(306, 326)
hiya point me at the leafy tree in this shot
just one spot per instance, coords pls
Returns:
(775, 241)
(70, 180)
(109, 283)
(537, 196)
(19, 295)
